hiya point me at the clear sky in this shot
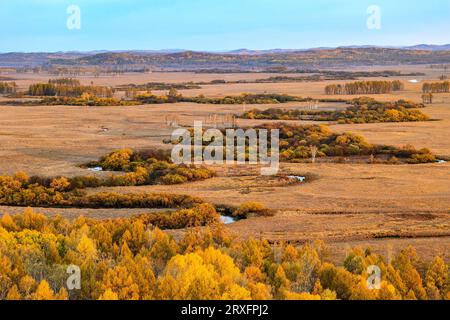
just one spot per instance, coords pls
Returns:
(41, 25)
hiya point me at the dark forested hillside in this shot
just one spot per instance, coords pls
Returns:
(320, 58)
(244, 60)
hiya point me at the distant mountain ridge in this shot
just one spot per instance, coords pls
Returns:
(431, 47)
(241, 58)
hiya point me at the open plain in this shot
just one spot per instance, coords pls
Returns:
(383, 206)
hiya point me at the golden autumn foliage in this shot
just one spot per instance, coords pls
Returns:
(364, 87)
(139, 168)
(148, 167)
(19, 190)
(296, 142)
(131, 259)
(361, 110)
(44, 292)
(251, 208)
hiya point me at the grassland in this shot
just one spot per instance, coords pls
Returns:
(384, 206)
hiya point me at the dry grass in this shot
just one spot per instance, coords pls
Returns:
(350, 204)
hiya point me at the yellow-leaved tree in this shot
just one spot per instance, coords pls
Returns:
(204, 275)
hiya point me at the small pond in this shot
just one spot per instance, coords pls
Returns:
(227, 219)
(298, 178)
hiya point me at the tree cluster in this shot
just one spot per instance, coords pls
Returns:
(173, 96)
(85, 100)
(436, 87)
(159, 86)
(364, 87)
(296, 142)
(131, 259)
(148, 167)
(84, 96)
(67, 87)
(20, 190)
(8, 87)
(362, 110)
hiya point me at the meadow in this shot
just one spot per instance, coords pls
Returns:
(384, 206)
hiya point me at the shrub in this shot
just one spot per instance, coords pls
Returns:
(15, 192)
(198, 216)
(117, 160)
(251, 208)
(60, 184)
(148, 167)
(133, 200)
(173, 179)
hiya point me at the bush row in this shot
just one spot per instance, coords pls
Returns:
(362, 110)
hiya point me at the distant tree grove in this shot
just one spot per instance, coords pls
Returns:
(7, 87)
(67, 94)
(436, 87)
(68, 87)
(364, 87)
(131, 259)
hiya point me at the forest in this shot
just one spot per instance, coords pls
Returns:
(132, 259)
(191, 60)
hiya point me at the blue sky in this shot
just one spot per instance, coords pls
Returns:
(40, 25)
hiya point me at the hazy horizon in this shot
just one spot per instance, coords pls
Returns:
(166, 50)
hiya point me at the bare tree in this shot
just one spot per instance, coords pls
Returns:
(427, 98)
(314, 151)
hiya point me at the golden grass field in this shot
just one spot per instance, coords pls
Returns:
(384, 206)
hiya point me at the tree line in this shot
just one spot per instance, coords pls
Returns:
(436, 87)
(140, 169)
(362, 110)
(7, 87)
(174, 96)
(102, 96)
(364, 87)
(68, 88)
(22, 190)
